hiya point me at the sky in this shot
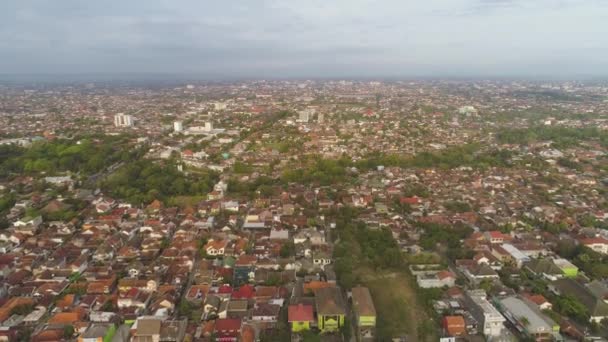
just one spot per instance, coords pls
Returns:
(306, 38)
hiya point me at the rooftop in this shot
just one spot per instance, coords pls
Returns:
(363, 304)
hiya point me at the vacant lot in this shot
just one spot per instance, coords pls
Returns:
(399, 312)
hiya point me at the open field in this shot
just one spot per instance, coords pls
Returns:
(399, 312)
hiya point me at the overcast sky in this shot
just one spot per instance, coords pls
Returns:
(308, 38)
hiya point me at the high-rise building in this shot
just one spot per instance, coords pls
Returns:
(208, 126)
(178, 126)
(220, 105)
(306, 114)
(122, 120)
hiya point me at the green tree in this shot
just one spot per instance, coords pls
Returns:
(486, 285)
(288, 249)
(185, 308)
(425, 330)
(309, 336)
(68, 331)
(346, 330)
(22, 310)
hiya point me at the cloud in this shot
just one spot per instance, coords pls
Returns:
(273, 38)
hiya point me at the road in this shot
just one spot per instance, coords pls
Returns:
(92, 180)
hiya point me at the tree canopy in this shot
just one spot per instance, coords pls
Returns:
(562, 137)
(143, 181)
(86, 156)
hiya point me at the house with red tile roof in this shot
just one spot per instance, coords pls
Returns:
(454, 325)
(497, 237)
(244, 292)
(312, 286)
(66, 302)
(539, 300)
(227, 329)
(197, 293)
(409, 200)
(300, 316)
(265, 293)
(67, 317)
(11, 304)
(216, 247)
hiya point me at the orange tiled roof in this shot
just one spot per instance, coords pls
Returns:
(315, 285)
(66, 301)
(7, 308)
(66, 317)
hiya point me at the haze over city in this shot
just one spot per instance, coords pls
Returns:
(282, 39)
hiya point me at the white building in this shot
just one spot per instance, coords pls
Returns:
(598, 244)
(178, 126)
(306, 114)
(220, 106)
(467, 110)
(436, 280)
(518, 256)
(16, 141)
(320, 118)
(535, 324)
(207, 129)
(315, 237)
(122, 120)
(490, 319)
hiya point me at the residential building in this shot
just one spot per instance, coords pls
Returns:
(598, 244)
(301, 317)
(436, 280)
(98, 332)
(517, 256)
(146, 329)
(596, 307)
(365, 313)
(454, 326)
(330, 308)
(490, 320)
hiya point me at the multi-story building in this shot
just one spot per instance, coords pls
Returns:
(178, 126)
(306, 114)
(122, 120)
(490, 320)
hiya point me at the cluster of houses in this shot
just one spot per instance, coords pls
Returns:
(246, 266)
(223, 270)
(476, 301)
(231, 266)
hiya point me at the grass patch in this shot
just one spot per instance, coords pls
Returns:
(185, 201)
(398, 311)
